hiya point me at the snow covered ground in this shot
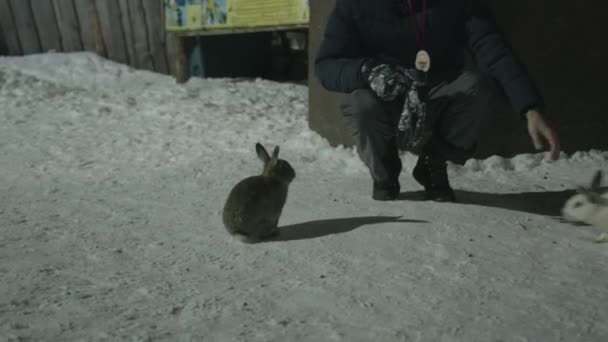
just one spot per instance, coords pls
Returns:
(111, 187)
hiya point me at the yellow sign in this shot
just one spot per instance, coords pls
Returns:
(209, 14)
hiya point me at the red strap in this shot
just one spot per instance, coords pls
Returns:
(420, 36)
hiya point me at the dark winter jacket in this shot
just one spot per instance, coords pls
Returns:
(360, 29)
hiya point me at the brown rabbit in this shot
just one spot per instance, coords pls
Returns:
(253, 208)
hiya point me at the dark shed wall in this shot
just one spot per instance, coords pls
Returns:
(324, 116)
(563, 45)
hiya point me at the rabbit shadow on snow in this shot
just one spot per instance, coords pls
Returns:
(581, 206)
(255, 204)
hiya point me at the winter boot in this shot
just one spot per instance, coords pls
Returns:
(431, 173)
(386, 191)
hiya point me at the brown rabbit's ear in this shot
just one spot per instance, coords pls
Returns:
(275, 156)
(275, 153)
(597, 180)
(262, 153)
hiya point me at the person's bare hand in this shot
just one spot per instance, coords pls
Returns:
(537, 128)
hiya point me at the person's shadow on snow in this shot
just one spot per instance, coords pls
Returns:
(547, 203)
(315, 229)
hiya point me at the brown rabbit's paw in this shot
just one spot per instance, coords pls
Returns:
(243, 238)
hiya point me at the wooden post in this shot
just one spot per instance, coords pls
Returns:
(195, 58)
(182, 65)
(176, 52)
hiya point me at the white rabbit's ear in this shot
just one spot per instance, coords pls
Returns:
(589, 195)
(596, 182)
(596, 198)
(262, 153)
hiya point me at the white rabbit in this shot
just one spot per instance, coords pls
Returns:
(589, 206)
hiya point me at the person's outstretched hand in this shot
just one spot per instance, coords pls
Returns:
(537, 128)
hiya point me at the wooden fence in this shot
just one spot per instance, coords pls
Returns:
(126, 31)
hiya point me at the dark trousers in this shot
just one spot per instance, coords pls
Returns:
(457, 109)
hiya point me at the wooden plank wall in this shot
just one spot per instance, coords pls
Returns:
(131, 32)
(25, 25)
(68, 22)
(156, 35)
